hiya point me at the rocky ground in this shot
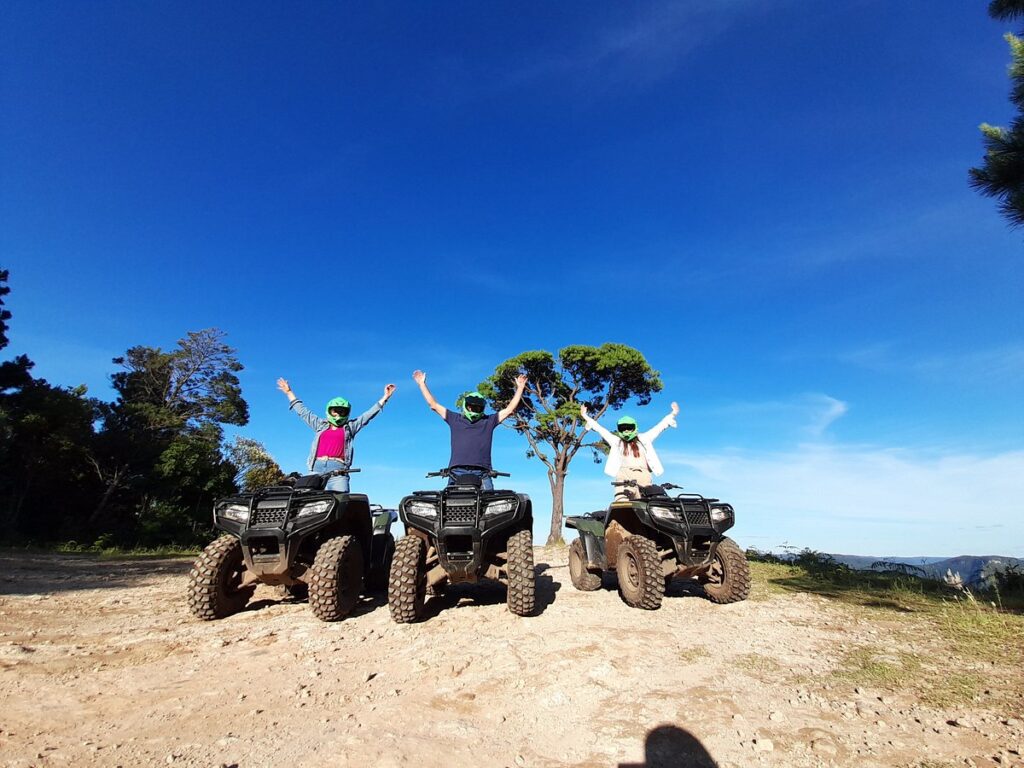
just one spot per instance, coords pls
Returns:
(102, 665)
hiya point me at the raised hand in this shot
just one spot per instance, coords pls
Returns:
(389, 390)
(419, 377)
(283, 385)
(675, 409)
(583, 410)
(521, 381)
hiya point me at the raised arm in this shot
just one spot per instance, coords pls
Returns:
(421, 378)
(361, 421)
(608, 437)
(285, 387)
(509, 409)
(668, 421)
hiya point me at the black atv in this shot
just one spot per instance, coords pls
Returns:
(651, 540)
(462, 534)
(299, 537)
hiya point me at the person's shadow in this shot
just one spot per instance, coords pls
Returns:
(669, 746)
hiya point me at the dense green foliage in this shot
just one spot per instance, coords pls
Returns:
(602, 378)
(1001, 174)
(142, 470)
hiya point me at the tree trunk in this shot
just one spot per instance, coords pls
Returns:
(556, 478)
(111, 487)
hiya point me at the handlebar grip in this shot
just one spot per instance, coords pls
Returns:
(500, 474)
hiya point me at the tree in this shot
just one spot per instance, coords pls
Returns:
(602, 378)
(1001, 174)
(164, 399)
(255, 467)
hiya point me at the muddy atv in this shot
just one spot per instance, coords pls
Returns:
(300, 538)
(656, 538)
(462, 534)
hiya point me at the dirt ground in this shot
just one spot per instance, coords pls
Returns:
(103, 665)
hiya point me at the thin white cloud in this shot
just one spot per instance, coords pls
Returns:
(649, 46)
(998, 364)
(813, 412)
(869, 500)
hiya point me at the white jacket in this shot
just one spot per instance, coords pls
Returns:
(646, 439)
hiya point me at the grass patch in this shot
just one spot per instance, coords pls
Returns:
(107, 552)
(691, 655)
(935, 685)
(757, 664)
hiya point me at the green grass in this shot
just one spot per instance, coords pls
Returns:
(974, 644)
(108, 552)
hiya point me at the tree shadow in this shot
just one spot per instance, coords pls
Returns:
(37, 574)
(669, 746)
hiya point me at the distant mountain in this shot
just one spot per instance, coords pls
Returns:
(968, 566)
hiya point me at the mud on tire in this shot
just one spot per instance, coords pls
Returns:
(582, 579)
(214, 583)
(336, 578)
(638, 566)
(729, 579)
(407, 586)
(522, 579)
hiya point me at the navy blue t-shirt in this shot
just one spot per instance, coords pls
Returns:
(471, 440)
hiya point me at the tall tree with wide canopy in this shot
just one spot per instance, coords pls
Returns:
(1001, 174)
(603, 378)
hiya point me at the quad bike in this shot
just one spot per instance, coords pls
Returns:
(462, 534)
(298, 537)
(651, 540)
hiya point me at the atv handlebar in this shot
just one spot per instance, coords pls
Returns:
(628, 483)
(446, 472)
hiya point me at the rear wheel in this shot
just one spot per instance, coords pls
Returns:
(215, 583)
(407, 585)
(336, 578)
(728, 580)
(638, 566)
(522, 579)
(582, 579)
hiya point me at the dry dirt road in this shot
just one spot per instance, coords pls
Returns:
(102, 665)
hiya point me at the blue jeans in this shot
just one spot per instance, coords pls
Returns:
(455, 473)
(338, 483)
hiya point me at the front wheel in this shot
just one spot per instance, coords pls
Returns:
(638, 566)
(728, 580)
(336, 578)
(215, 583)
(582, 579)
(407, 586)
(522, 579)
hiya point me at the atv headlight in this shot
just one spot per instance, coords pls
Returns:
(422, 509)
(500, 507)
(314, 508)
(722, 517)
(237, 512)
(664, 513)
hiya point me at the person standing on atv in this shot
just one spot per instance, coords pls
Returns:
(472, 432)
(631, 455)
(332, 447)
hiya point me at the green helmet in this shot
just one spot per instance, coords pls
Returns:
(340, 404)
(627, 428)
(473, 406)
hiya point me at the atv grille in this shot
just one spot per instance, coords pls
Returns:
(698, 518)
(269, 516)
(460, 514)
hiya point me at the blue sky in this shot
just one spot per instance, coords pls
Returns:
(769, 200)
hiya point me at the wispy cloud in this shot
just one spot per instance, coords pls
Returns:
(811, 413)
(868, 499)
(1003, 363)
(647, 47)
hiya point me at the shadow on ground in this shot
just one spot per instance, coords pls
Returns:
(38, 574)
(669, 746)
